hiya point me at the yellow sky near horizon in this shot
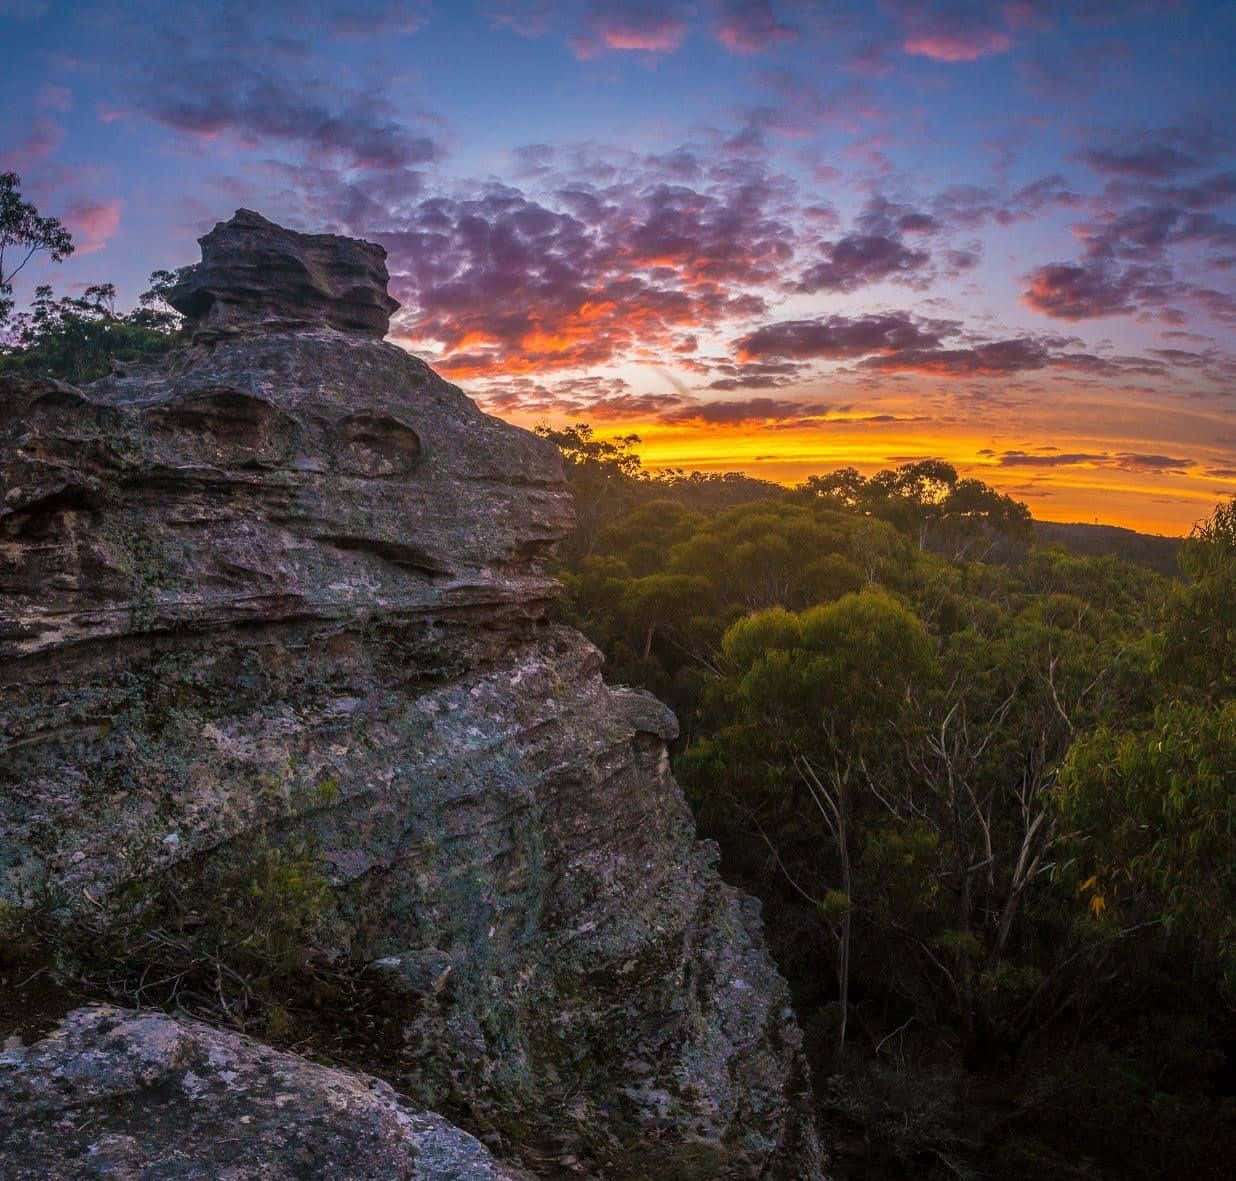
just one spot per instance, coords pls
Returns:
(1100, 470)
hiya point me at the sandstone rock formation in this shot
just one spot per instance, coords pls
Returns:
(254, 273)
(139, 1095)
(287, 590)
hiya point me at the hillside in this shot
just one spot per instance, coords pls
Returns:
(1142, 549)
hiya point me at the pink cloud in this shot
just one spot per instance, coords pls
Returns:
(93, 224)
(964, 46)
(667, 36)
(751, 26)
(44, 137)
(629, 26)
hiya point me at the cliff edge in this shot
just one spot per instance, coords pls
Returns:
(273, 633)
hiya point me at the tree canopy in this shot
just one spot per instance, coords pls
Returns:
(983, 789)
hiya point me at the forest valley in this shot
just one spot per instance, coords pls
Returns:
(985, 789)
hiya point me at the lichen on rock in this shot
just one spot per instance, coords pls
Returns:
(121, 1094)
(287, 589)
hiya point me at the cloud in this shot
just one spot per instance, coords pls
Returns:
(1123, 460)
(964, 260)
(751, 26)
(1143, 232)
(996, 359)
(386, 18)
(887, 218)
(1183, 358)
(839, 337)
(532, 160)
(648, 26)
(359, 129)
(1147, 161)
(874, 251)
(1069, 291)
(1109, 366)
(93, 224)
(505, 282)
(751, 375)
(857, 260)
(970, 207)
(1148, 209)
(897, 342)
(952, 30)
(1133, 462)
(797, 107)
(629, 25)
(1028, 459)
(40, 142)
(603, 399)
(54, 98)
(746, 411)
(962, 46)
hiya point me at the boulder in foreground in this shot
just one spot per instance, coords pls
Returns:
(121, 1094)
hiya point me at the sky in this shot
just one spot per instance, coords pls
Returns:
(775, 236)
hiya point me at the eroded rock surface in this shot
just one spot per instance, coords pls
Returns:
(289, 588)
(118, 1094)
(255, 274)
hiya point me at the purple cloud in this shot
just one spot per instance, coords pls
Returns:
(1128, 461)
(504, 282)
(1068, 291)
(751, 26)
(748, 410)
(840, 337)
(360, 130)
(985, 360)
(1146, 162)
(861, 259)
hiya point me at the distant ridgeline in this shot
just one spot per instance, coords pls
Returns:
(1142, 549)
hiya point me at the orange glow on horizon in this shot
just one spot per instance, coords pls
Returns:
(1168, 505)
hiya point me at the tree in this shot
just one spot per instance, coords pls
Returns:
(1199, 650)
(23, 233)
(1211, 545)
(828, 687)
(602, 475)
(928, 501)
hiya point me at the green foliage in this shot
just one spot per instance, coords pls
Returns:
(1210, 548)
(602, 475)
(1199, 642)
(1154, 818)
(23, 234)
(987, 805)
(81, 338)
(837, 674)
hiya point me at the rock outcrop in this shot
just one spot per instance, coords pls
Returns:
(255, 274)
(287, 590)
(140, 1095)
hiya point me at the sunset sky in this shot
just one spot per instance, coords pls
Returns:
(779, 237)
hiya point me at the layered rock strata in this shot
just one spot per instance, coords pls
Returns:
(290, 587)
